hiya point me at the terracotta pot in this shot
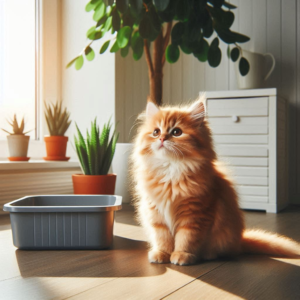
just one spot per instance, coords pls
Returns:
(18, 147)
(94, 184)
(56, 147)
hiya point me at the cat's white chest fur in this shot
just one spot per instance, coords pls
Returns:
(170, 170)
(164, 210)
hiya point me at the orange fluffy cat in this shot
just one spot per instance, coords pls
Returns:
(187, 206)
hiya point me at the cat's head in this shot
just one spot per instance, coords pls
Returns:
(175, 133)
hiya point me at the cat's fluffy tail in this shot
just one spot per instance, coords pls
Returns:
(259, 241)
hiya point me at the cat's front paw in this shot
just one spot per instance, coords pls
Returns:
(159, 257)
(183, 258)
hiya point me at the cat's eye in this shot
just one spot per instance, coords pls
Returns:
(177, 132)
(156, 132)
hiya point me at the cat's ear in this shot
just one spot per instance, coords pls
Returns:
(198, 110)
(151, 109)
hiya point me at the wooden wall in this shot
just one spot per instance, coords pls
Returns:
(273, 25)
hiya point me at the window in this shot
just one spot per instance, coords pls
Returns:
(17, 63)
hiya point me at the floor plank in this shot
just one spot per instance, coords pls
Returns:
(123, 272)
(248, 277)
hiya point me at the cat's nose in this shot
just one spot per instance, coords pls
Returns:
(162, 138)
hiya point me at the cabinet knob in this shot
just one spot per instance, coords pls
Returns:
(235, 119)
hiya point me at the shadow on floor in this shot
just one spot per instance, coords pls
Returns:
(247, 276)
(254, 277)
(126, 257)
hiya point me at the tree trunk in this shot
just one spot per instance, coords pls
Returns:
(155, 65)
(156, 78)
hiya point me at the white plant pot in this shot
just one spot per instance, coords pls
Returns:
(18, 145)
(120, 166)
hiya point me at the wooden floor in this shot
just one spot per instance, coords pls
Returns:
(124, 272)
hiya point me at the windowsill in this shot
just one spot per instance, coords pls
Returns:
(37, 164)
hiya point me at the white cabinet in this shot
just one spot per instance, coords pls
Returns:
(249, 132)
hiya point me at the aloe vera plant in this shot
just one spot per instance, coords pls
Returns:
(17, 130)
(97, 151)
(57, 119)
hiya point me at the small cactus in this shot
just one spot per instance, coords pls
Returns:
(57, 120)
(17, 130)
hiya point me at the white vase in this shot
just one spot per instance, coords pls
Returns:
(258, 74)
(18, 145)
(120, 166)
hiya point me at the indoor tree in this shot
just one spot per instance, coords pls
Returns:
(161, 28)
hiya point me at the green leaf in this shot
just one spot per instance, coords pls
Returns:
(99, 12)
(89, 53)
(161, 4)
(136, 6)
(115, 47)
(104, 47)
(90, 6)
(137, 55)
(215, 43)
(137, 45)
(145, 27)
(216, 3)
(183, 10)
(109, 2)
(101, 21)
(227, 19)
(244, 66)
(108, 24)
(94, 34)
(122, 5)
(177, 33)
(123, 36)
(240, 38)
(201, 51)
(155, 20)
(208, 29)
(81, 150)
(214, 55)
(172, 53)
(235, 53)
(90, 31)
(116, 21)
(228, 51)
(71, 62)
(124, 51)
(229, 5)
(79, 62)
(128, 19)
(231, 37)
(186, 48)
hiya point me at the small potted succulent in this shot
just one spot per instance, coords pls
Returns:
(95, 155)
(58, 122)
(17, 141)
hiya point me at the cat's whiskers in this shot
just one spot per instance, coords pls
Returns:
(175, 150)
(169, 147)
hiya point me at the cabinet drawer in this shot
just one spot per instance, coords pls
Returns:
(249, 171)
(238, 107)
(252, 190)
(240, 139)
(245, 151)
(245, 180)
(246, 161)
(244, 125)
(254, 199)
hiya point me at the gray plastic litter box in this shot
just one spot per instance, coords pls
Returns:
(63, 221)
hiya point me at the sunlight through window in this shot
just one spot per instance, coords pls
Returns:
(17, 63)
